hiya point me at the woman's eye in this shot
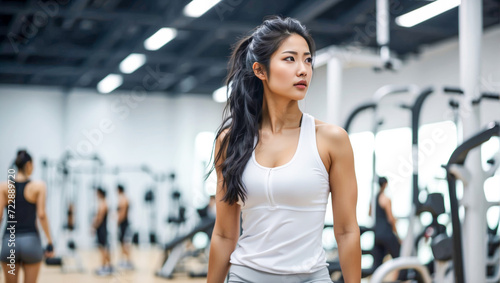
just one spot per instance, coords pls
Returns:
(309, 60)
(289, 58)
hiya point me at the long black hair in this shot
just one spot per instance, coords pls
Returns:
(243, 111)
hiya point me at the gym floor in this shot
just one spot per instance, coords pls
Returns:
(146, 261)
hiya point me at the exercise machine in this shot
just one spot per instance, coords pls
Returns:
(176, 250)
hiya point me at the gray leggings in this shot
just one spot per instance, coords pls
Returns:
(27, 249)
(243, 274)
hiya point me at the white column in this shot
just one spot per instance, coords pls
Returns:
(474, 228)
(334, 90)
(383, 31)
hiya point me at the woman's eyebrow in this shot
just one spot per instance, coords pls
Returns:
(295, 52)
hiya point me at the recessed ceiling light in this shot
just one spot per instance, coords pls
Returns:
(426, 12)
(133, 62)
(109, 83)
(198, 7)
(160, 38)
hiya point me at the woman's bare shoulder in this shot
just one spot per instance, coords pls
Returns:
(38, 185)
(222, 134)
(330, 132)
(219, 143)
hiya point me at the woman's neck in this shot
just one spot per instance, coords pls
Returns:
(21, 177)
(280, 114)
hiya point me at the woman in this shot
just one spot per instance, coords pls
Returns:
(386, 235)
(277, 166)
(24, 201)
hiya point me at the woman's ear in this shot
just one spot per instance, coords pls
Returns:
(259, 72)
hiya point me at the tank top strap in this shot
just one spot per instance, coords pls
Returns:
(20, 191)
(309, 128)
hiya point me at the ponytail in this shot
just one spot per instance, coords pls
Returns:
(22, 158)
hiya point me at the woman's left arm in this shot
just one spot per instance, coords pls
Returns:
(3, 199)
(343, 187)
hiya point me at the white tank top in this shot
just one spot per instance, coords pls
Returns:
(284, 213)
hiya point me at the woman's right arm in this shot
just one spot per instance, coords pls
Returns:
(3, 198)
(41, 212)
(227, 228)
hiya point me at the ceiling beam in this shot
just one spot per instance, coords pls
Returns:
(74, 11)
(149, 19)
(46, 70)
(359, 10)
(158, 58)
(440, 32)
(309, 10)
(17, 25)
(325, 27)
(20, 20)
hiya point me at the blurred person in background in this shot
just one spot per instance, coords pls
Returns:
(24, 201)
(123, 228)
(386, 235)
(101, 230)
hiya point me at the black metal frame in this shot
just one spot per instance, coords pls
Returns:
(458, 157)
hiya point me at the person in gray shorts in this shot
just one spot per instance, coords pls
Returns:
(24, 201)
